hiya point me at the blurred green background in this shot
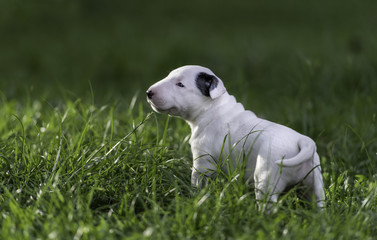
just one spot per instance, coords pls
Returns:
(259, 48)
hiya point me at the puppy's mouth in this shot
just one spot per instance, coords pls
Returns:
(157, 108)
(172, 110)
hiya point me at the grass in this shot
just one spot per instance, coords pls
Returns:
(81, 157)
(80, 171)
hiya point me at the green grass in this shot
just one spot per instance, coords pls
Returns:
(78, 170)
(82, 158)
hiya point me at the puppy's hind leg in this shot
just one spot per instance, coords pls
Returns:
(264, 200)
(314, 183)
(318, 188)
(267, 194)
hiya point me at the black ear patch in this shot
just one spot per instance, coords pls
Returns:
(206, 82)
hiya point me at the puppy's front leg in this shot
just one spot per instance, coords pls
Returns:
(203, 168)
(198, 179)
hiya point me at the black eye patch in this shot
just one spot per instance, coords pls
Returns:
(205, 83)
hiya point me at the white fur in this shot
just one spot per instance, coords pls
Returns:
(277, 157)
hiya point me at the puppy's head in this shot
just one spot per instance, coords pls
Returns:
(185, 91)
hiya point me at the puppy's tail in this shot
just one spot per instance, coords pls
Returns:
(307, 149)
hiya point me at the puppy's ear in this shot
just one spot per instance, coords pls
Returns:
(210, 85)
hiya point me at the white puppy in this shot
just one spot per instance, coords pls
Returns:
(274, 157)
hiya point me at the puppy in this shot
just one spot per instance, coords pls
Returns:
(275, 157)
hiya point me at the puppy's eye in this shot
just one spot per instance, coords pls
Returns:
(180, 84)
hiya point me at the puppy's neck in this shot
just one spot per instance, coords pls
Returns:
(219, 110)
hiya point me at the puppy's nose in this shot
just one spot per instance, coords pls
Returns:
(150, 94)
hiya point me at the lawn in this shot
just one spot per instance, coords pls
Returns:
(82, 156)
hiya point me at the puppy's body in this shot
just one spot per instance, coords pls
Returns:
(276, 157)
